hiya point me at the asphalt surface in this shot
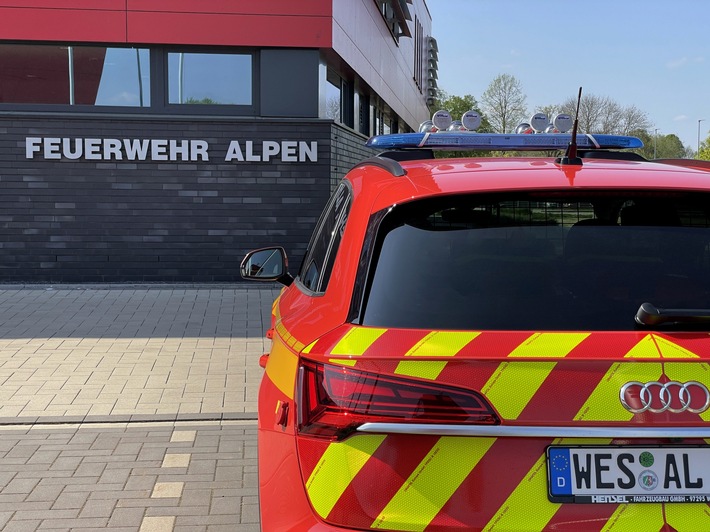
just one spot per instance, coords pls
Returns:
(130, 408)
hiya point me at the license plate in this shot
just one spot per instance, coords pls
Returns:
(614, 475)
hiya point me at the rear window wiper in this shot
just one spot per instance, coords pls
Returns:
(649, 315)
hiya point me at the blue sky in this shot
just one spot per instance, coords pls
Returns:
(654, 54)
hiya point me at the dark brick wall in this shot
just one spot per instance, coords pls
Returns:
(142, 221)
(346, 150)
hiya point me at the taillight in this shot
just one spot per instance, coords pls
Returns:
(335, 400)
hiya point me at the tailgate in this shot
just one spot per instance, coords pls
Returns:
(588, 424)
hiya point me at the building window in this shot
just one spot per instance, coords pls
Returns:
(362, 107)
(334, 97)
(74, 75)
(419, 54)
(396, 15)
(125, 80)
(210, 78)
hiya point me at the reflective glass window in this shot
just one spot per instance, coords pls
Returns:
(125, 78)
(333, 97)
(74, 75)
(207, 78)
(320, 256)
(542, 261)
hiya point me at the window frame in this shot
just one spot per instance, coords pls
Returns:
(217, 109)
(324, 234)
(158, 72)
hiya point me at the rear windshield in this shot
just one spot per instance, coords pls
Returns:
(540, 261)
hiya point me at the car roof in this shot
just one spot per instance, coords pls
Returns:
(412, 179)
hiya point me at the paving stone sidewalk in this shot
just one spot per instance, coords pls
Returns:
(147, 477)
(130, 408)
(83, 354)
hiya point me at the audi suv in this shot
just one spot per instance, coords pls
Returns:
(506, 343)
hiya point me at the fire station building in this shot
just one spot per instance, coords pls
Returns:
(160, 140)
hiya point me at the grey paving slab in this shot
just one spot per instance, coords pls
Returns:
(130, 408)
(105, 492)
(82, 353)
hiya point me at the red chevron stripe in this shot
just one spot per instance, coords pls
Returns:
(606, 345)
(488, 486)
(575, 381)
(696, 343)
(380, 479)
(395, 343)
(494, 344)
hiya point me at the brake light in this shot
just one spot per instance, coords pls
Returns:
(335, 400)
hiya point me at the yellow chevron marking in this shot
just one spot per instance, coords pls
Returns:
(688, 516)
(434, 344)
(337, 468)
(635, 517)
(689, 371)
(288, 338)
(527, 507)
(343, 362)
(549, 345)
(308, 348)
(645, 348)
(356, 341)
(604, 404)
(282, 367)
(432, 483)
(672, 350)
(513, 384)
(424, 369)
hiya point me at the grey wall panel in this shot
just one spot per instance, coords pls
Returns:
(109, 220)
(289, 83)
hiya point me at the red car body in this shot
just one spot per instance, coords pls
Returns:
(372, 424)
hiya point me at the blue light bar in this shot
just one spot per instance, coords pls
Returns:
(500, 141)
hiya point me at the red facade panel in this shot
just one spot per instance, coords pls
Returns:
(322, 8)
(229, 29)
(99, 5)
(283, 23)
(71, 25)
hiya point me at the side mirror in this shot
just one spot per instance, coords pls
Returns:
(267, 264)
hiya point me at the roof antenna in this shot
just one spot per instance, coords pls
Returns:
(570, 156)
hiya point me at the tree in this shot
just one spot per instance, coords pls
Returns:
(704, 151)
(504, 103)
(601, 114)
(660, 146)
(332, 108)
(632, 118)
(551, 111)
(458, 105)
(200, 101)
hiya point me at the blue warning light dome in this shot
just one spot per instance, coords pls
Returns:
(442, 133)
(463, 140)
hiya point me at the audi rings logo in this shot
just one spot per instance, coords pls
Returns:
(658, 397)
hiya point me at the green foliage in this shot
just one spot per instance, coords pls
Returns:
(660, 146)
(504, 102)
(704, 151)
(202, 101)
(457, 106)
